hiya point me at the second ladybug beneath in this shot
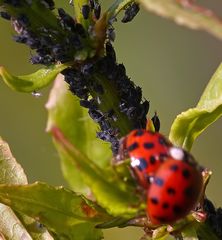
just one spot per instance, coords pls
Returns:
(175, 188)
(147, 151)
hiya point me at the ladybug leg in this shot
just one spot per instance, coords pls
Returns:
(121, 161)
(142, 221)
(199, 213)
(122, 152)
(206, 174)
(139, 189)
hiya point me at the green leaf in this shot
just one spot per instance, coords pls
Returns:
(189, 232)
(11, 171)
(12, 225)
(160, 233)
(190, 124)
(65, 112)
(32, 82)
(118, 198)
(114, 222)
(166, 237)
(205, 232)
(60, 210)
(36, 229)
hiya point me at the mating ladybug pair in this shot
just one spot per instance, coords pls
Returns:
(171, 177)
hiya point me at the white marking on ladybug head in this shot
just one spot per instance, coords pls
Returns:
(176, 153)
(151, 179)
(135, 162)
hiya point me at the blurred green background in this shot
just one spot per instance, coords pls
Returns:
(171, 63)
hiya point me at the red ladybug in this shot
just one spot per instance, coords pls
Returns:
(147, 151)
(175, 188)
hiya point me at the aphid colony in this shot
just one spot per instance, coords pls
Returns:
(64, 42)
(170, 175)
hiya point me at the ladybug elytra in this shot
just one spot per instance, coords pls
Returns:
(175, 188)
(147, 151)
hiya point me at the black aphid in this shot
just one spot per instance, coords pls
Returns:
(130, 12)
(85, 11)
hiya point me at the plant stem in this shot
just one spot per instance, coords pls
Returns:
(110, 100)
(192, 15)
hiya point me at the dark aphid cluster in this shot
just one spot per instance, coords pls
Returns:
(100, 82)
(25, 3)
(214, 217)
(130, 12)
(51, 44)
(83, 82)
(15, 3)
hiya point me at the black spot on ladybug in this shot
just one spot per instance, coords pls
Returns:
(152, 160)
(139, 133)
(171, 191)
(186, 173)
(174, 167)
(165, 205)
(158, 181)
(133, 146)
(148, 145)
(154, 201)
(189, 192)
(163, 141)
(143, 164)
(177, 210)
(162, 157)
